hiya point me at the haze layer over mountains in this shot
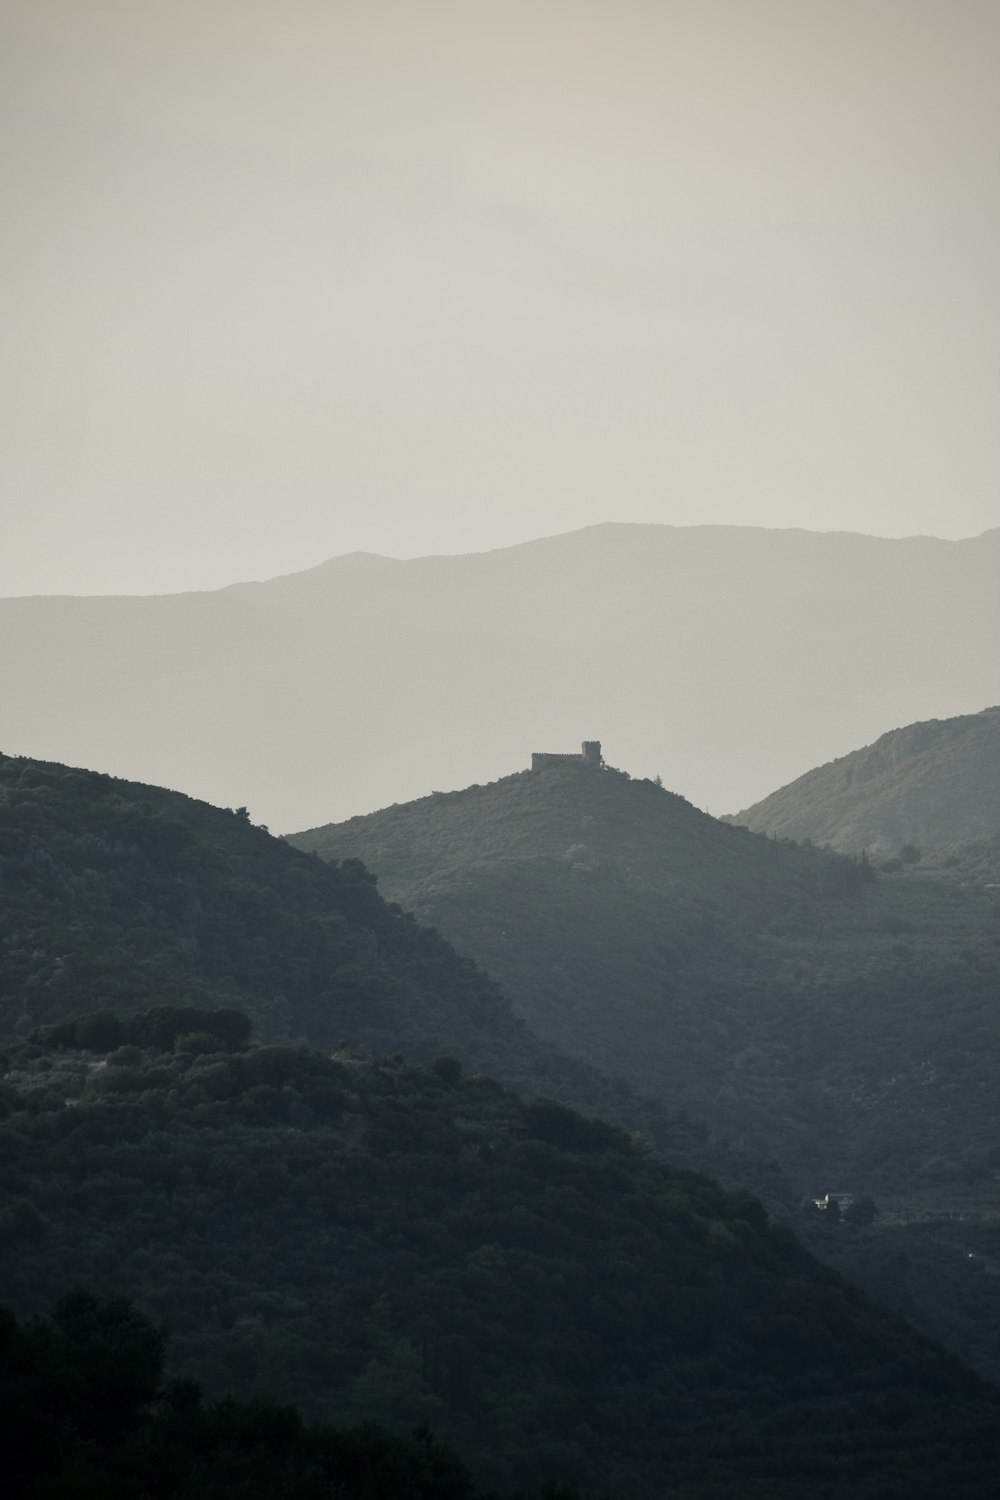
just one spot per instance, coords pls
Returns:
(728, 660)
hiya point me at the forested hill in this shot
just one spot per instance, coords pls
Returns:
(584, 820)
(932, 786)
(839, 1022)
(842, 1024)
(382, 1243)
(123, 896)
(129, 897)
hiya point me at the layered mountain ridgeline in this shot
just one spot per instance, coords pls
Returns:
(368, 680)
(380, 1243)
(130, 896)
(117, 895)
(842, 1024)
(931, 790)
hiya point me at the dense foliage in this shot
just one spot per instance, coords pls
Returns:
(84, 1413)
(381, 1243)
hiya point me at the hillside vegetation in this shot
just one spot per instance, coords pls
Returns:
(841, 1024)
(933, 786)
(131, 898)
(123, 896)
(85, 1410)
(381, 1243)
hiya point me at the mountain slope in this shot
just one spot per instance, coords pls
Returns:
(932, 785)
(379, 1242)
(129, 896)
(843, 1026)
(723, 658)
(840, 1025)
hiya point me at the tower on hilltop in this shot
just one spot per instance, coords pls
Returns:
(589, 758)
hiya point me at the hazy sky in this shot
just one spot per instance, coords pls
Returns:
(283, 279)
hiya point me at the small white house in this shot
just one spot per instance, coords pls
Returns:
(842, 1200)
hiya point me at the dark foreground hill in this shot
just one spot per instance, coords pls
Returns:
(121, 895)
(376, 1242)
(933, 786)
(723, 658)
(85, 1411)
(842, 1024)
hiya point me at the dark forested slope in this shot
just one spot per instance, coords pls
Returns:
(377, 1242)
(932, 786)
(127, 896)
(133, 897)
(843, 1024)
(123, 895)
(86, 1411)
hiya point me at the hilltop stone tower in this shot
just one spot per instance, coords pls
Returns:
(589, 758)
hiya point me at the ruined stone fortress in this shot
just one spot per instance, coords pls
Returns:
(589, 758)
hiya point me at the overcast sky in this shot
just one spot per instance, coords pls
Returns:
(287, 280)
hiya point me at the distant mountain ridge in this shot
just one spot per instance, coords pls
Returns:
(721, 658)
(932, 785)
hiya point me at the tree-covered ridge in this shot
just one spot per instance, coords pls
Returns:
(117, 895)
(933, 786)
(585, 822)
(841, 1024)
(376, 1242)
(123, 895)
